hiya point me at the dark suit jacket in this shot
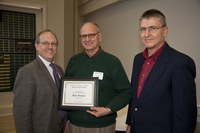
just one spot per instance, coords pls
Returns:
(167, 103)
(35, 105)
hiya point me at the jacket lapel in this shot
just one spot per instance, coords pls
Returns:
(155, 73)
(136, 73)
(46, 75)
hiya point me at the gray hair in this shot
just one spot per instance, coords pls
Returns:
(154, 13)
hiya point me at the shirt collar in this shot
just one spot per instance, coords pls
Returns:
(96, 54)
(155, 55)
(46, 63)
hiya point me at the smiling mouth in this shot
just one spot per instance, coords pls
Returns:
(148, 40)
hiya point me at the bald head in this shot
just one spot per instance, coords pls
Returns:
(90, 25)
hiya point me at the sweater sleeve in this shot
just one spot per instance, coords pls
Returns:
(122, 88)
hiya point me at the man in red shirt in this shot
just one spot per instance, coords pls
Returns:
(164, 90)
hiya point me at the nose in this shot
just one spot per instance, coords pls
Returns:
(50, 45)
(146, 33)
(87, 38)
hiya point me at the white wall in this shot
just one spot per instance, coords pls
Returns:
(120, 24)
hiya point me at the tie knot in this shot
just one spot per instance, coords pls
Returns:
(53, 65)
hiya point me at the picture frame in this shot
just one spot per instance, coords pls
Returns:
(79, 93)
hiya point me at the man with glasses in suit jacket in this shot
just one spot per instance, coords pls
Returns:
(36, 90)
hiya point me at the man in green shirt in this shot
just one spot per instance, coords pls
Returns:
(114, 86)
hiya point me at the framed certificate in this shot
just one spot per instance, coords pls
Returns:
(79, 93)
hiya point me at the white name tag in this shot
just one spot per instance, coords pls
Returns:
(98, 74)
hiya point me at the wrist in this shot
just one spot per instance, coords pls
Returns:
(109, 110)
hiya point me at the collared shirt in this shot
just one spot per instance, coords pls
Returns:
(97, 53)
(149, 61)
(47, 64)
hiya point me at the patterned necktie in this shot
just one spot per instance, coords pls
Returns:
(56, 77)
(57, 82)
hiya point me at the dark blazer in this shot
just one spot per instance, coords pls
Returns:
(35, 104)
(167, 103)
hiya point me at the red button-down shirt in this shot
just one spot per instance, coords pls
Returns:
(146, 67)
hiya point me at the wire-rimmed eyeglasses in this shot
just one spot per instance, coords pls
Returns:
(46, 43)
(150, 29)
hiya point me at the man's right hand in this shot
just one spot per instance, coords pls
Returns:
(128, 129)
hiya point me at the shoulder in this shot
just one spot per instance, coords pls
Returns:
(26, 72)
(181, 61)
(77, 56)
(138, 57)
(179, 57)
(109, 57)
(30, 66)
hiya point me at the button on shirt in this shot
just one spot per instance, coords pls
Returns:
(149, 61)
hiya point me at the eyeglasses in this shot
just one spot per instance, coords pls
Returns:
(150, 29)
(53, 44)
(90, 36)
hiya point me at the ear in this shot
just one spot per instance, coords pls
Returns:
(166, 31)
(100, 36)
(36, 46)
